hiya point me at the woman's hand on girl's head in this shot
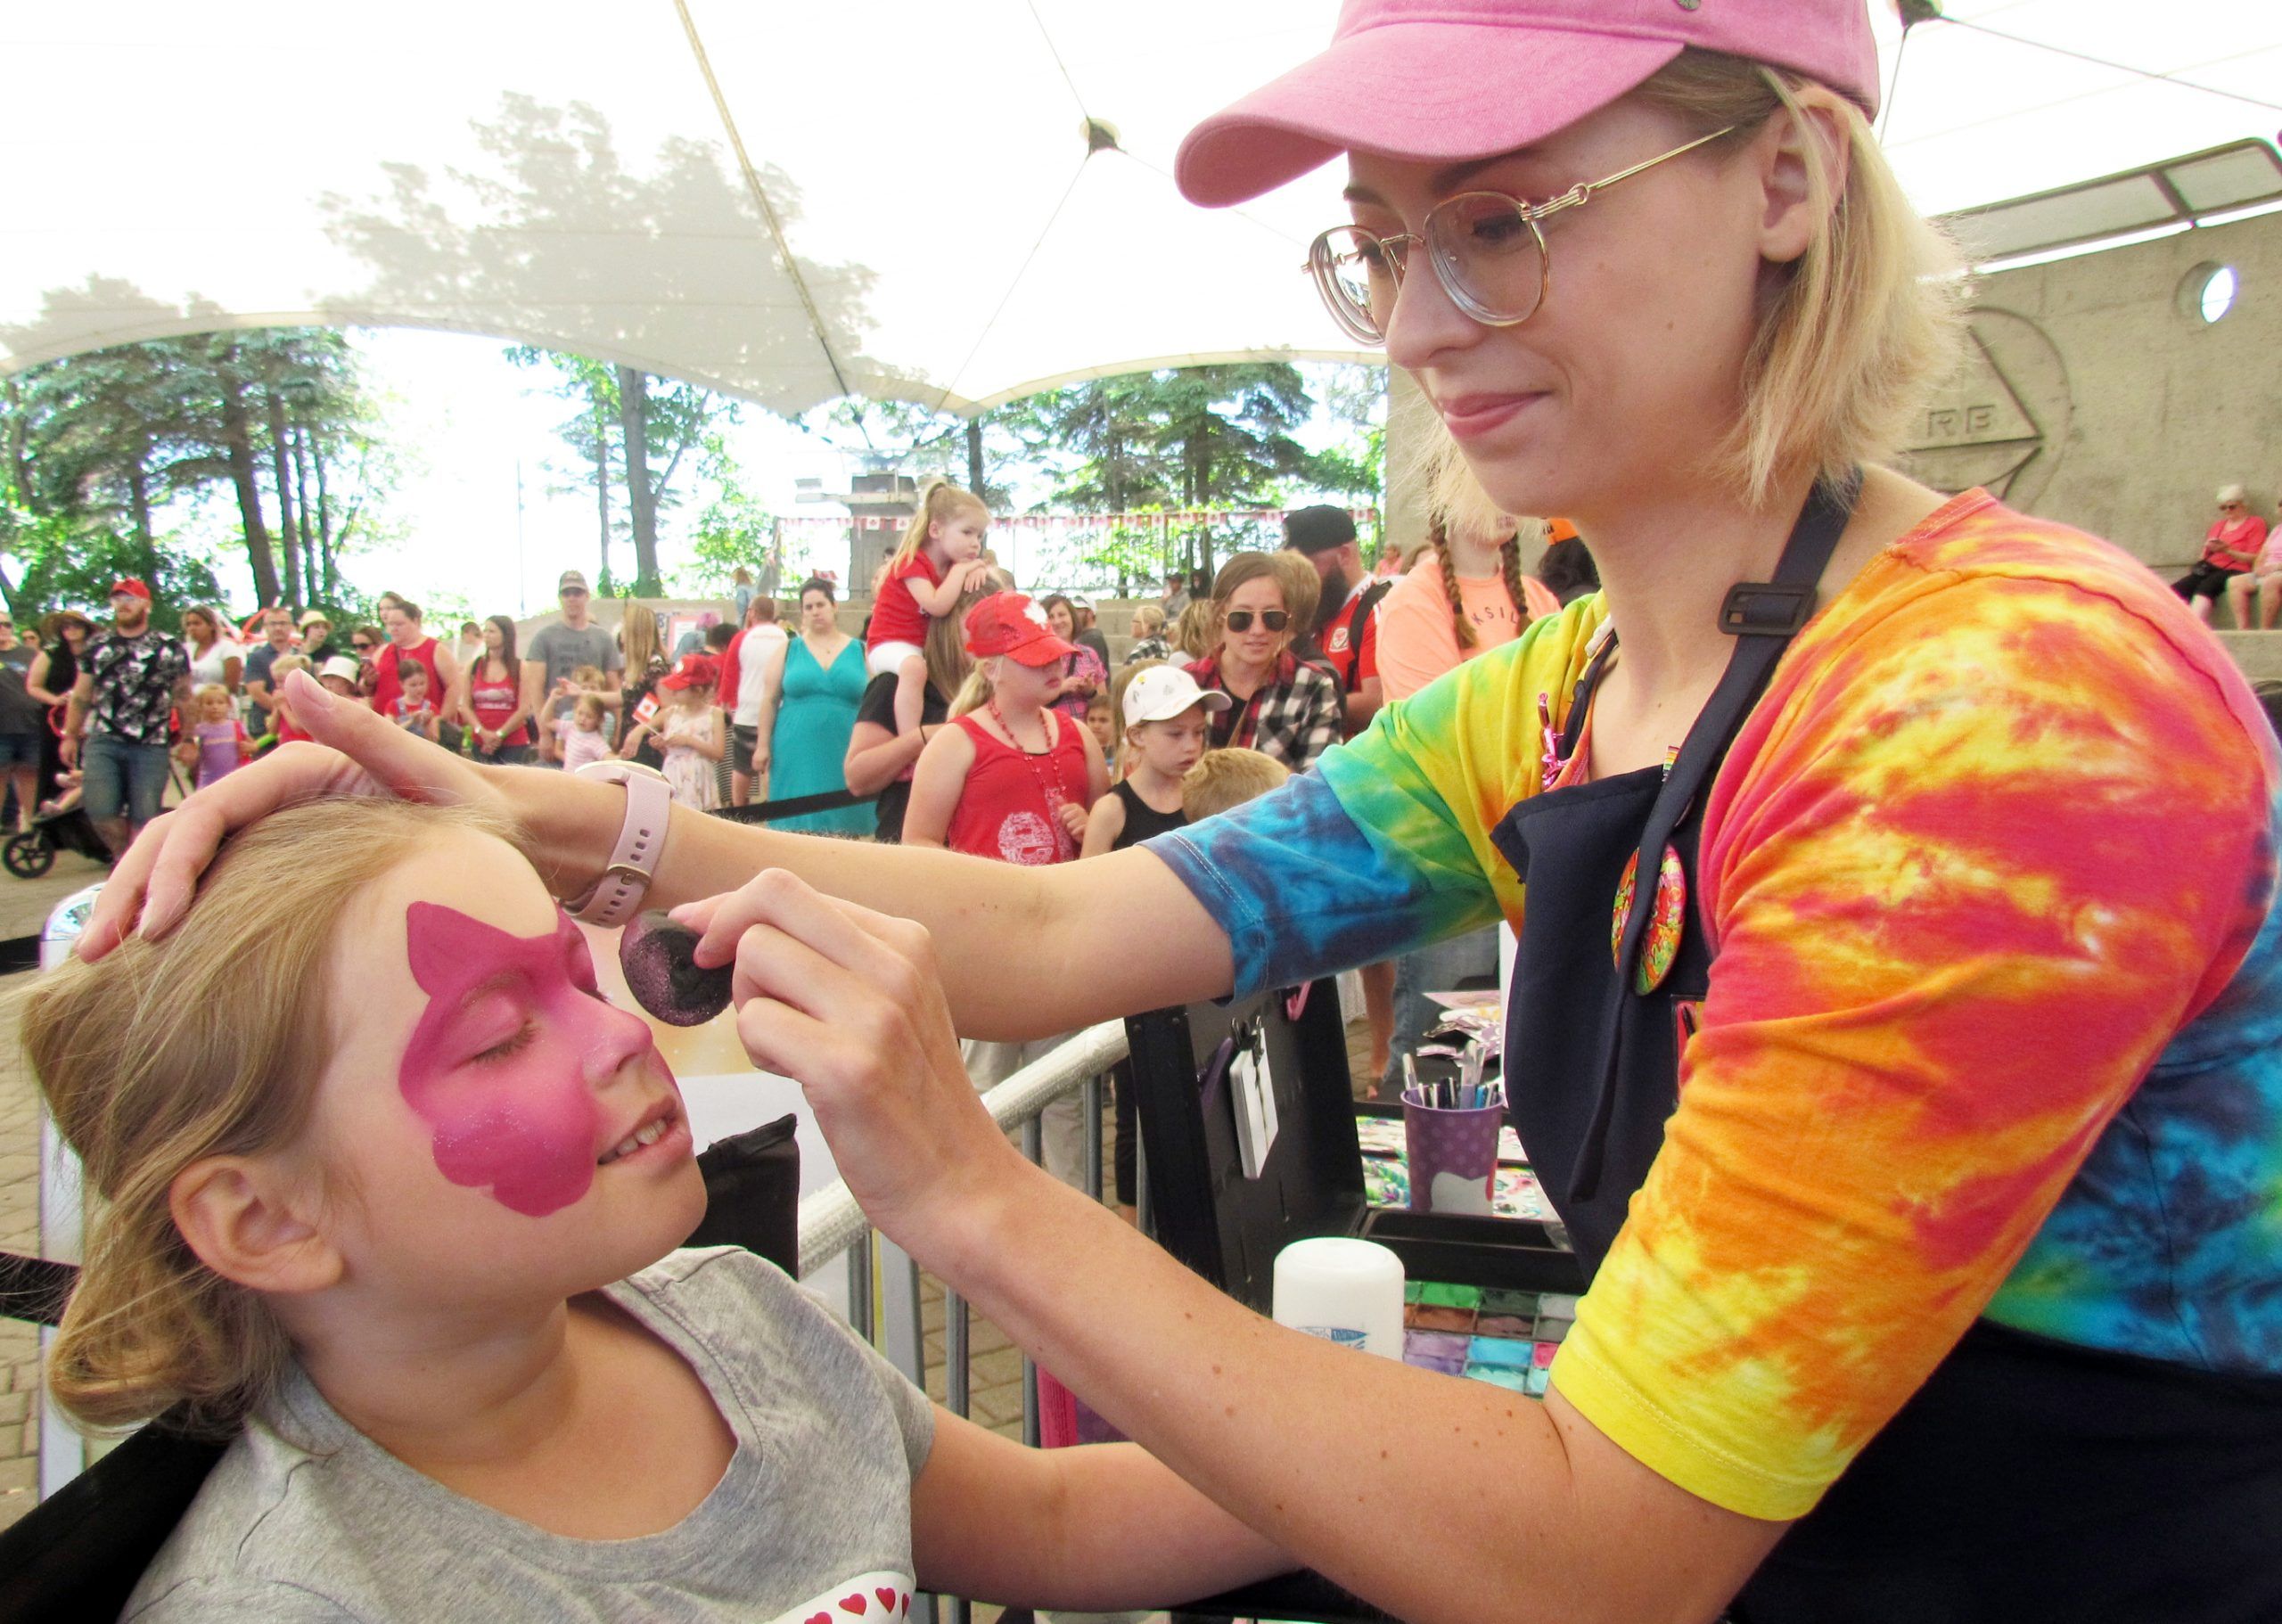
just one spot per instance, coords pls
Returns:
(847, 1003)
(359, 752)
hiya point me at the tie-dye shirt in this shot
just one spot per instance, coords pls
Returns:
(1994, 1025)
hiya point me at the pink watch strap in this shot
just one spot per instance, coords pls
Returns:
(615, 896)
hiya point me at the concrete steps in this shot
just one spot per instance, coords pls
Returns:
(2258, 654)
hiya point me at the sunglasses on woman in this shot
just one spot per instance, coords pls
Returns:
(1274, 619)
(363, 645)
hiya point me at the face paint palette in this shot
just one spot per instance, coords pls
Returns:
(1503, 1337)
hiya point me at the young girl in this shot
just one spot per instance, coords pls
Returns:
(1167, 724)
(219, 741)
(281, 714)
(391, 1199)
(564, 712)
(1010, 779)
(1101, 721)
(941, 550)
(579, 737)
(1085, 673)
(414, 709)
(689, 733)
(1165, 727)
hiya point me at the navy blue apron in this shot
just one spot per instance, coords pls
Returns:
(2027, 1480)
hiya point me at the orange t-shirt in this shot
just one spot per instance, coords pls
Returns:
(1418, 642)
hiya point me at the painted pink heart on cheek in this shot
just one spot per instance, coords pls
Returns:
(522, 1118)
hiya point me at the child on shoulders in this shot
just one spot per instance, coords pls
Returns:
(940, 553)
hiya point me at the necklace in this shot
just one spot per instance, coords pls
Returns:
(1051, 789)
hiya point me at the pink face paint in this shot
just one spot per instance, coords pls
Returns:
(504, 1062)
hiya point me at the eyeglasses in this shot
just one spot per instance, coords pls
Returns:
(1486, 248)
(1274, 619)
(363, 645)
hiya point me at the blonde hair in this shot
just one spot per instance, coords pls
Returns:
(1303, 589)
(1509, 570)
(1195, 634)
(1226, 778)
(207, 1041)
(1118, 684)
(285, 665)
(944, 646)
(1148, 620)
(974, 693)
(638, 640)
(1867, 322)
(206, 690)
(585, 677)
(588, 705)
(938, 499)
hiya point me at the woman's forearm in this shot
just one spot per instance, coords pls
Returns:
(1509, 1507)
(1173, 952)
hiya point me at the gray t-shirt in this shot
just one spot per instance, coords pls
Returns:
(305, 1519)
(563, 651)
(20, 712)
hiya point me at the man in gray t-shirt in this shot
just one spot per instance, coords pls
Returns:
(576, 640)
(306, 1519)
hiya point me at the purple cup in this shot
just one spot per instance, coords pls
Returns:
(1453, 1156)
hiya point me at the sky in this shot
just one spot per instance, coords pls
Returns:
(468, 423)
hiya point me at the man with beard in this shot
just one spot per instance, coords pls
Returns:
(1344, 630)
(115, 727)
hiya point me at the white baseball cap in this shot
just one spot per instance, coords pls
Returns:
(1162, 692)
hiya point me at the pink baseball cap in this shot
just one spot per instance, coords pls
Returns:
(1434, 81)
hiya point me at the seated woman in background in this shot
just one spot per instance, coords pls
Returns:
(2230, 549)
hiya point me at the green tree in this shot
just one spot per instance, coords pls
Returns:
(735, 531)
(105, 438)
(627, 424)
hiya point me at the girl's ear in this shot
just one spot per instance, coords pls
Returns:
(250, 1221)
(1784, 155)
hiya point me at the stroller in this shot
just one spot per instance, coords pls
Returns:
(32, 854)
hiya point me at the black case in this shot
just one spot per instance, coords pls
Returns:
(1229, 1228)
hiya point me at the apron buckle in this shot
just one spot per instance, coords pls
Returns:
(1766, 609)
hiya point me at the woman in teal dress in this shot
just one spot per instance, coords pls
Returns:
(808, 709)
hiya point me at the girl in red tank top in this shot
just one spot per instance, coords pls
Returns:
(1008, 778)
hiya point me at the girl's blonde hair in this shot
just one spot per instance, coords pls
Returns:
(938, 499)
(207, 689)
(1865, 325)
(207, 1041)
(285, 665)
(587, 705)
(1148, 620)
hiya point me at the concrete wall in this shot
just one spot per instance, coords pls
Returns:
(2089, 396)
(2094, 400)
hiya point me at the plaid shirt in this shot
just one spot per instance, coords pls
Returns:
(1293, 717)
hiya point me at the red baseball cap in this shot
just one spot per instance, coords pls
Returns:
(1434, 81)
(132, 587)
(1009, 623)
(694, 671)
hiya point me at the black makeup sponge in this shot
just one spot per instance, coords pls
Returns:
(661, 972)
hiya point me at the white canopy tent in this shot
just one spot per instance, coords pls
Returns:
(612, 177)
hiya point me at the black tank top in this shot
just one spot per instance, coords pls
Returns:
(1143, 822)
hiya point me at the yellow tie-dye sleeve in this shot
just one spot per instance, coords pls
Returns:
(1997, 832)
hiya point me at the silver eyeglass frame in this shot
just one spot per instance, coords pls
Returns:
(1323, 259)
